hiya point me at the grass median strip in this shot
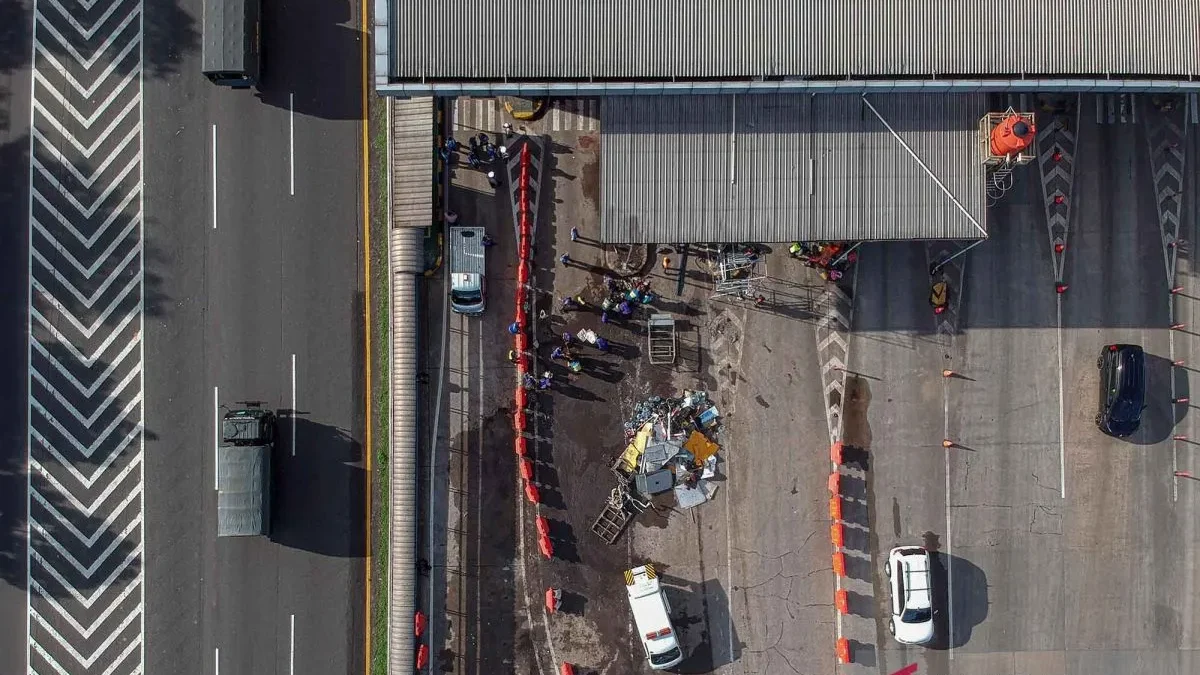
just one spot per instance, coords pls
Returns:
(380, 413)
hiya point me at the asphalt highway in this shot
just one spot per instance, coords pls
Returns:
(255, 298)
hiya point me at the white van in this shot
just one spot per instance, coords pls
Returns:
(652, 617)
(909, 573)
(468, 265)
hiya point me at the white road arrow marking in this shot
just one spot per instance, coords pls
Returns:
(101, 50)
(87, 661)
(86, 181)
(84, 631)
(86, 120)
(65, 192)
(100, 409)
(89, 540)
(114, 481)
(100, 322)
(87, 33)
(87, 92)
(89, 241)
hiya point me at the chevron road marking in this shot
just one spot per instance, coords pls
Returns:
(121, 238)
(88, 481)
(86, 240)
(88, 331)
(89, 570)
(87, 360)
(87, 150)
(87, 33)
(89, 540)
(86, 120)
(90, 300)
(90, 389)
(84, 631)
(88, 600)
(86, 62)
(87, 661)
(86, 181)
(88, 509)
(89, 450)
(87, 92)
(86, 211)
(100, 409)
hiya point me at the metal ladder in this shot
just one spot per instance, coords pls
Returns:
(612, 520)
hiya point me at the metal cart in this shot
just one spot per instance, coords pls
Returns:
(660, 340)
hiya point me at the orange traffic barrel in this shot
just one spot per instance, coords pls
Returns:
(1012, 136)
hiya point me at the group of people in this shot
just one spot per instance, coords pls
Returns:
(623, 298)
(833, 259)
(480, 151)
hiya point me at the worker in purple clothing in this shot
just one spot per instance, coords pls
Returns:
(602, 344)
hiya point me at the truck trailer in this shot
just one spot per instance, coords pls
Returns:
(244, 471)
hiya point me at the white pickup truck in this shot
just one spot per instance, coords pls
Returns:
(652, 616)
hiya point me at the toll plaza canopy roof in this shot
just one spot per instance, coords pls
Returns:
(604, 42)
(777, 168)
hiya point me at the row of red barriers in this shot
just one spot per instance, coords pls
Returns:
(837, 537)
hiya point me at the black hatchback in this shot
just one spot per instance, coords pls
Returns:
(1122, 389)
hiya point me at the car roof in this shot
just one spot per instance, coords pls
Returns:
(917, 577)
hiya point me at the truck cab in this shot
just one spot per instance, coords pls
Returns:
(244, 471)
(652, 617)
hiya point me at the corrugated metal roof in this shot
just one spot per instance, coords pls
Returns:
(791, 167)
(412, 162)
(547, 40)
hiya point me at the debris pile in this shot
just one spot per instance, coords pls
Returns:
(671, 447)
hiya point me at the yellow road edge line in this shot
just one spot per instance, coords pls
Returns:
(368, 626)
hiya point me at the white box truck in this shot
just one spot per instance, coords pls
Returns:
(468, 267)
(652, 617)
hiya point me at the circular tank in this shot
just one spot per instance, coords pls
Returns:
(1012, 136)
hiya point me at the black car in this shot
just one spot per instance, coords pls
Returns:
(1122, 389)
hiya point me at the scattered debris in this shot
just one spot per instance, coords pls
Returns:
(671, 447)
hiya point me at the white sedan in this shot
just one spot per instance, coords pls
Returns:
(911, 581)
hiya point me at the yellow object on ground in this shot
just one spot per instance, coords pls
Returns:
(699, 445)
(629, 458)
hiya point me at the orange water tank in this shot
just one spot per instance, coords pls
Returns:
(1012, 136)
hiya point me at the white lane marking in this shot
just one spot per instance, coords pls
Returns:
(217, 661)
(949, 531)
(728, 562)
(216, 438)
(293, 405)
(1062, 432)
(478, 458)
(292, 648)
(292, 142)
(1174, 444)
(437, 414)
(214, 175)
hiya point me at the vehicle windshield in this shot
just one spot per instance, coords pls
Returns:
(466, 297)
(665, 657)
(916, 615)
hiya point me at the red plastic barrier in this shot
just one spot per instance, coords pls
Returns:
(526, 469)
(835, 507)
(419, 624)
(531, 493)
(567, 669)
(835, 482)
(835, 453)
(519, 420)
(841, 600)
(839, 564)
(520, 317)
(837, 534)
(543, 526)
(843, 650)
(519, 446)
(546, 547)
(519, 397)
(551, 600)
(522, 276)
(521, 342)
(422, 657)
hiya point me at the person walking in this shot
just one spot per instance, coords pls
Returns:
(503, 152)
(666, 263)
(451, 217)
(492, 180)
(602, 344)
(564, 259)
(508, 130)
(473, 161)
(556, 354)
(574, 234)
(452, 144)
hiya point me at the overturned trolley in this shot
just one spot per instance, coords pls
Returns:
(660, 332)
